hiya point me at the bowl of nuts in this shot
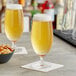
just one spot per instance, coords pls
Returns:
(6, 53)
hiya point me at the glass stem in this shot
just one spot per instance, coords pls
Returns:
(13, 45)
(41, 61)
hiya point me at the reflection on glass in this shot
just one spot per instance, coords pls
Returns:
(66, 23)
(74, 21)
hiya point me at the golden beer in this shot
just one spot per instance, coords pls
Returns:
(13, 22)
(42, 34)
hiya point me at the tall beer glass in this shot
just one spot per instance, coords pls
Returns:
(42, 36)
(13, 22)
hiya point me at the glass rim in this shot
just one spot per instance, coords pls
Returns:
(13, 6)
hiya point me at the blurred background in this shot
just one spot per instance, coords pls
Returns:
(31, 7)
(62, 13)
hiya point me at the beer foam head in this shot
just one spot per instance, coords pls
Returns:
(13, 6)
(42, 17)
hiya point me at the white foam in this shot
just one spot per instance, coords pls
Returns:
(42, 17)
(13, 6)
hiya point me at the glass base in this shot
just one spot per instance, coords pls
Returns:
(20, 50)
(69, 32)
(74, 35)
(74, 38)
(44, 68)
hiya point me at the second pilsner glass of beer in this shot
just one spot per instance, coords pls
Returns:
(42, 35)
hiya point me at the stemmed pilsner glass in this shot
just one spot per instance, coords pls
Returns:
(42, 39)
(42, 36)
(13, 22)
